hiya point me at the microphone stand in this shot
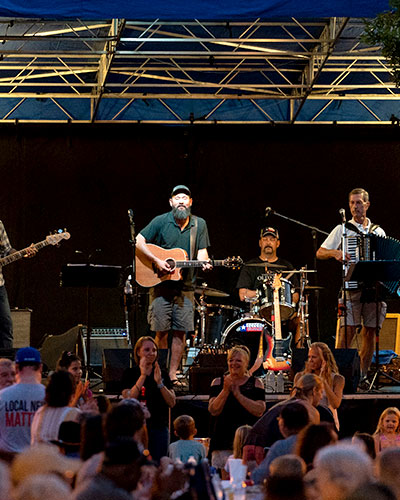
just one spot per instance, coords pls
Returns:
(343, 307)
(129, 290)
(314, 230)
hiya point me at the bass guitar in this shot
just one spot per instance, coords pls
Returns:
(148, 275)
(51, 239)
(279, 353)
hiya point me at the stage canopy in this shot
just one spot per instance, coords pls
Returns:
(193, 62)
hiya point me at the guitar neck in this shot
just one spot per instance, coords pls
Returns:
(277, 315)
(198, 263)
(21, 253)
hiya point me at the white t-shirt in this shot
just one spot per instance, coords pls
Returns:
(334, 241)
(18, 404)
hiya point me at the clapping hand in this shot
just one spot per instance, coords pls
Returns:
(145, 366)
(157, 373)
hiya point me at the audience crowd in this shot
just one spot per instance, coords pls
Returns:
(59, 442)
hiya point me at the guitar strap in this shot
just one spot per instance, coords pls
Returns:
(193, 235)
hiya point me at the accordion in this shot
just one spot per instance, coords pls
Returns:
(370, 247)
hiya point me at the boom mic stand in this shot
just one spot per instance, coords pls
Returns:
(314, 230)
(342, 306)
(133, 291)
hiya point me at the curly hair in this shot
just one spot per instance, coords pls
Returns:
(331, 365)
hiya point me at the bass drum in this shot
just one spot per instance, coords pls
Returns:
(218, 317)
(247, 332)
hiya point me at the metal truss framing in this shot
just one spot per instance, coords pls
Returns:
(291, 71)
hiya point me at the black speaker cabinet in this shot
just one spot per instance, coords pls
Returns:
(115, 361)
(348, 362)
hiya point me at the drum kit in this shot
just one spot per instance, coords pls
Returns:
(220, 326)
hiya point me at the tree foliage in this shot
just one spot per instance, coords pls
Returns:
(384, 30)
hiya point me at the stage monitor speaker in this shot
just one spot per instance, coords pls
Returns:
(54, 345)
(348, 362)
(99, 343)
(200, 378)
(115, 362)
(389, 336)
(21, 320)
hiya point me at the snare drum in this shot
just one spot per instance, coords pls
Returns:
(247, 331)
(266, 295)
(218, 317)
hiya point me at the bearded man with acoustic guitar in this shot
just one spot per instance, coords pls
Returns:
(172, 301)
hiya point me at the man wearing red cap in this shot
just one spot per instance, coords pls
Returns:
(171, 305)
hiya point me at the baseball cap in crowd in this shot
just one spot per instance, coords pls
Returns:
(28, 355)
(181, 188)
(269, 230)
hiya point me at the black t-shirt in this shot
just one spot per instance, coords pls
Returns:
(233, 414)
(155, 402)
(165, 232)
(249, 275)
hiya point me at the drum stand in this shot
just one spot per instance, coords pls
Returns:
(304, 339)
(202, 310)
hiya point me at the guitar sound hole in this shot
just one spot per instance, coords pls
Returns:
(171, 263)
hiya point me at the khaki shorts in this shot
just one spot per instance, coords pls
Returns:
(362, 314)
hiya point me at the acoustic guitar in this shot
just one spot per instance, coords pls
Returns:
(148, 275)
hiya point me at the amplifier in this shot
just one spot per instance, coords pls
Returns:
(389, 336)
(21, 319)
(105, 332)
(103, 338)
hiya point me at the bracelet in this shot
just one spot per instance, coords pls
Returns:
(160, 386)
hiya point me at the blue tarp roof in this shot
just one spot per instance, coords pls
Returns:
(192, 61)
(186, 9)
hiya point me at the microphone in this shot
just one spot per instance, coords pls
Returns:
(269, 211)
(130, 214)
(342, 213)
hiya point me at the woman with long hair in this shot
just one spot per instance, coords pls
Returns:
(322, 363)
(57, 408)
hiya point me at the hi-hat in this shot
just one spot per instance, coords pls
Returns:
(211, 292)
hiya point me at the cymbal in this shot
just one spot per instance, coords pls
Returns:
(211, 292)
(265, 264)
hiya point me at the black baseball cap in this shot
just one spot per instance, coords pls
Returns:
(181, 188)
(269, 230)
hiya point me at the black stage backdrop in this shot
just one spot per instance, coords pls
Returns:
(85, 177)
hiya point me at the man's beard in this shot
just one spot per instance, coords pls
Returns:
(180, 213)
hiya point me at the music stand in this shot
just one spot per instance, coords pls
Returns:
(89, 276)
(375, 271)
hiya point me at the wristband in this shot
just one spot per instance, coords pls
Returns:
(160, 386)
